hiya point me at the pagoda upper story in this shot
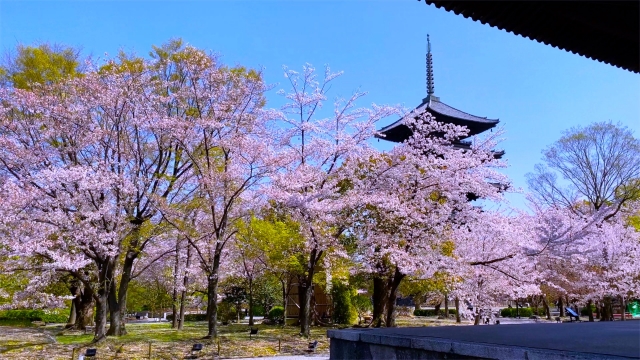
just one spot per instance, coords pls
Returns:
(399, 132)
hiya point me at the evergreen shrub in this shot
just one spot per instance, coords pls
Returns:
(276, 313)
(343, 311)
(431, 312)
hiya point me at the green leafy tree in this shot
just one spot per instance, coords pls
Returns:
(343, 310)
(278, 239)
(42, 64)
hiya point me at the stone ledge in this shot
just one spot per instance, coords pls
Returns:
(556, 342)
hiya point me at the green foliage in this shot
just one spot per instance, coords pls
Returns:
(228, 312)
(512, 312)
(276, 313)
(48, 316)
(279, 241)
(343, 310)
(148, 295)
(266, 293)
(44, 64)
(258, 310)
(431, 312)
(362, 305)
(11, 283)
(585, 310)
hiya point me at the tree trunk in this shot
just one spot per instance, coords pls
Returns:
(599, 309)
(285, 300)
(305, 303)
(623, 307)
(547, 311)
(72, 315)
(174, 296)
(118, 300)
(561, 306)
(446, 306)
(101, 316)
(301, 302)
(185, 283)
(105, 281)
(84, 308)
(590, 310)
(436, 308)
(457, 303)
(84, 314)
(417, 302)
(380, 295)
(212, 297)
(476, 320)
(606, 309)
(250, 301)
(391, 298)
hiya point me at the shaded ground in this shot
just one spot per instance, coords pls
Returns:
(50, 344)
(23, 339)
(166, 343)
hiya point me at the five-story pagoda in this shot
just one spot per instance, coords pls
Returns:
(399, 131)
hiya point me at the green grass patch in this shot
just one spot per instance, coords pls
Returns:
(15, 323)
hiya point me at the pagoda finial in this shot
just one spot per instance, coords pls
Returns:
(430, 87)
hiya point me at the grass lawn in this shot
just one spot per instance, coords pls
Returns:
(166, 343)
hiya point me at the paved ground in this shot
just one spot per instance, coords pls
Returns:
(619, 338)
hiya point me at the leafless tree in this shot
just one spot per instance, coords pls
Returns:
(588, 168)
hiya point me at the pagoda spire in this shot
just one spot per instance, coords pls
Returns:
(430, 87)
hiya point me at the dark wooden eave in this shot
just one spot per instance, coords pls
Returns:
(399, 132)
(607, 31)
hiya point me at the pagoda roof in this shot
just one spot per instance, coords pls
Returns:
(399, 131)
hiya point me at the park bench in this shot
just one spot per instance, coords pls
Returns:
(89, 354)
(253, 331)
(572, 315)
(312, 346)
(195, 350)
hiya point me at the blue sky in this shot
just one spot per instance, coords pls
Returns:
(535, 90)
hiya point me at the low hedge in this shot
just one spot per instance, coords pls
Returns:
(190, 317)
(47, 316)
(585, 310)
(513, 312)
(431, 312)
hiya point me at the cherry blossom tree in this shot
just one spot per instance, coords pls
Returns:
(314, 150)
(589, 257)
(225, 135)
(87, 161)
(414, 201)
